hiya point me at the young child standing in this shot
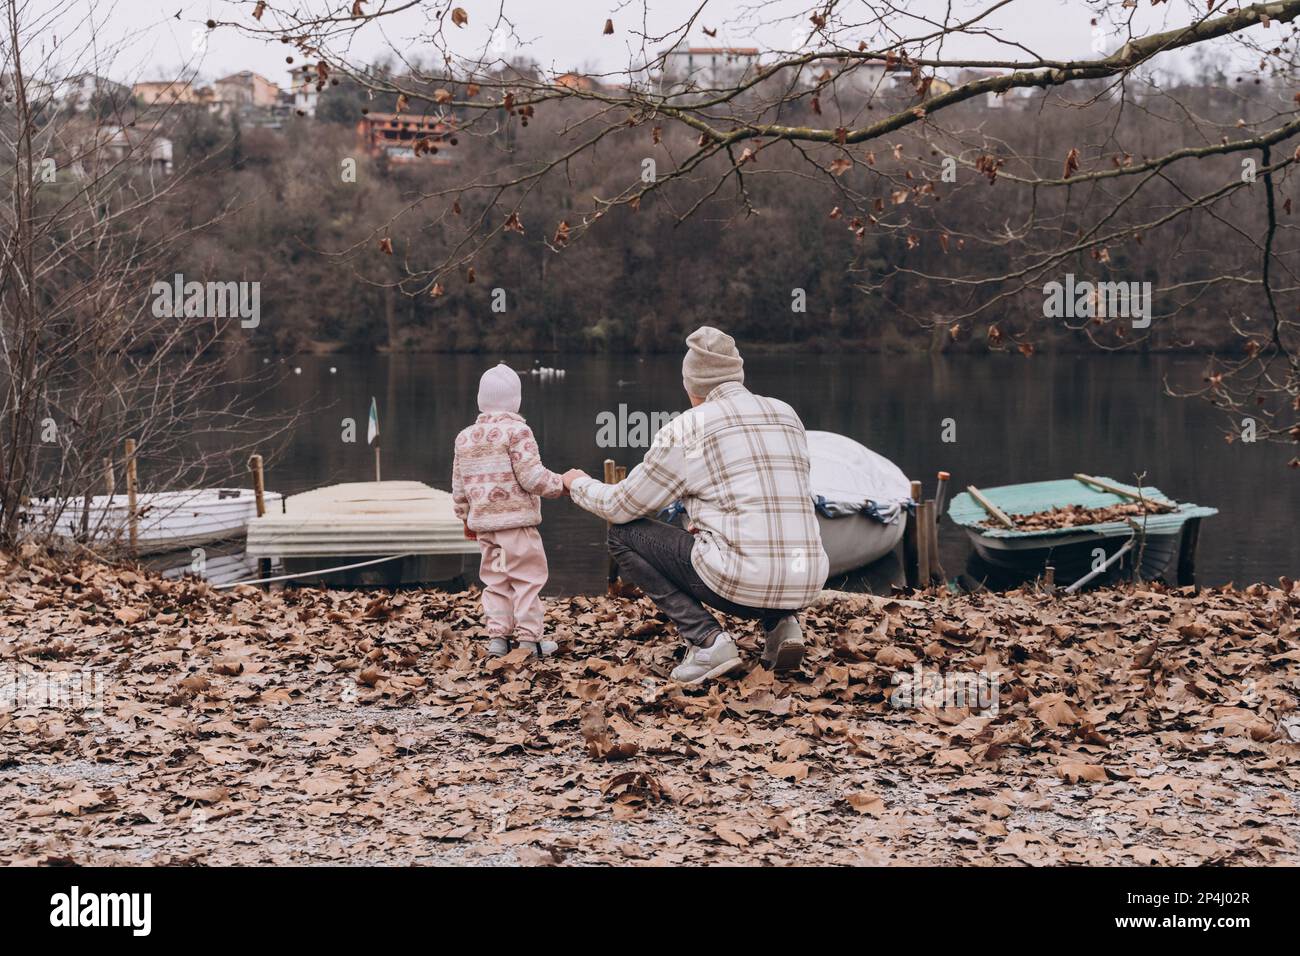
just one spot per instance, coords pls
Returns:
(496, 477)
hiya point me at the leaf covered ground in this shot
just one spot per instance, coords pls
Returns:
(1134, 726)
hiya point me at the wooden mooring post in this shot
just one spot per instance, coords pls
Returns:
(133, 522)
(259, 497)
(259, 483)
(911, 544)
(611, 477)
(921, 564)
(924, 542)
(940, 500)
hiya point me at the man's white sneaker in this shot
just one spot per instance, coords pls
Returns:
(783, 649)
(498, 647)
(702, 663)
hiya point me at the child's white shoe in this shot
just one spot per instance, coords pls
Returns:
(499, 647)
(546, 648)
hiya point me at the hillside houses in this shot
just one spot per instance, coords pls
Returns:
(83, 91)
(167, 93)
(247, 90)
(707, 68)
(245, 93)
(405, 138)
(302, 95)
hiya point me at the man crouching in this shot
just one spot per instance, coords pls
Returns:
(738, 462)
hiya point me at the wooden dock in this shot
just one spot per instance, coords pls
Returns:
(349, 523)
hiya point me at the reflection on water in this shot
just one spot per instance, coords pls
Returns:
(1013, 420)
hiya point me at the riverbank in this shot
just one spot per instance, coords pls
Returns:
(975, 343)
(1133, 726)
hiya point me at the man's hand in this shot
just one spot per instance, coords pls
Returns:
(570, 476)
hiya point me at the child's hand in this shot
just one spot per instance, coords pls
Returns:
(470, 534)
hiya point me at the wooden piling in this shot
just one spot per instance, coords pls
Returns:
(259, 497)
(132, 516)
(937, 573)
(259, 483)
(925, 529)
(910, 567)
(940, 495)
(110, 482)
(611, 478)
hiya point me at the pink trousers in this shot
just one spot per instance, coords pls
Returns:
(513, 572)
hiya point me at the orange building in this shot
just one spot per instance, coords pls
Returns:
(576, 81)
(166, 93)
(405, 138)
(247, 89)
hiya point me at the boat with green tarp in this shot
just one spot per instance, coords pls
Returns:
(1161, 543)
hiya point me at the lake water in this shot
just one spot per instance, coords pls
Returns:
(1016, 420)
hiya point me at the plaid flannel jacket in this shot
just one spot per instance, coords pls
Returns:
(739, 464)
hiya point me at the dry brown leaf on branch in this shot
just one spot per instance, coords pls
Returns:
(1071, 164)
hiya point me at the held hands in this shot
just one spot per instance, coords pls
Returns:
(470, 535)
(570, 476)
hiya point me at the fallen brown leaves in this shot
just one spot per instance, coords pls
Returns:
(1132, 726)
(1074, 516)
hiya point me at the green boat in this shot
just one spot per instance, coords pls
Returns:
(1098, 553)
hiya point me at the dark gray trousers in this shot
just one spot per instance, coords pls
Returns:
(656, 557)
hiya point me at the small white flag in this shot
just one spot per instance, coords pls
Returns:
(372, 427)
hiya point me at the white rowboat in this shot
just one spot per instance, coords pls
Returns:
(860, 497)
(166, 520)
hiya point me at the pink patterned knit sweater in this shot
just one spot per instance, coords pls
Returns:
(497, 474)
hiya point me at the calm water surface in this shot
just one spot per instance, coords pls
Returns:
(1016, 420)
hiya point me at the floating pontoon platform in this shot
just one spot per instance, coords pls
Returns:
(361, 521)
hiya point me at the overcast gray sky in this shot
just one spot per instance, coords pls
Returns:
(158, 37)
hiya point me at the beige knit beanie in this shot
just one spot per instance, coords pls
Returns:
(711, 359)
